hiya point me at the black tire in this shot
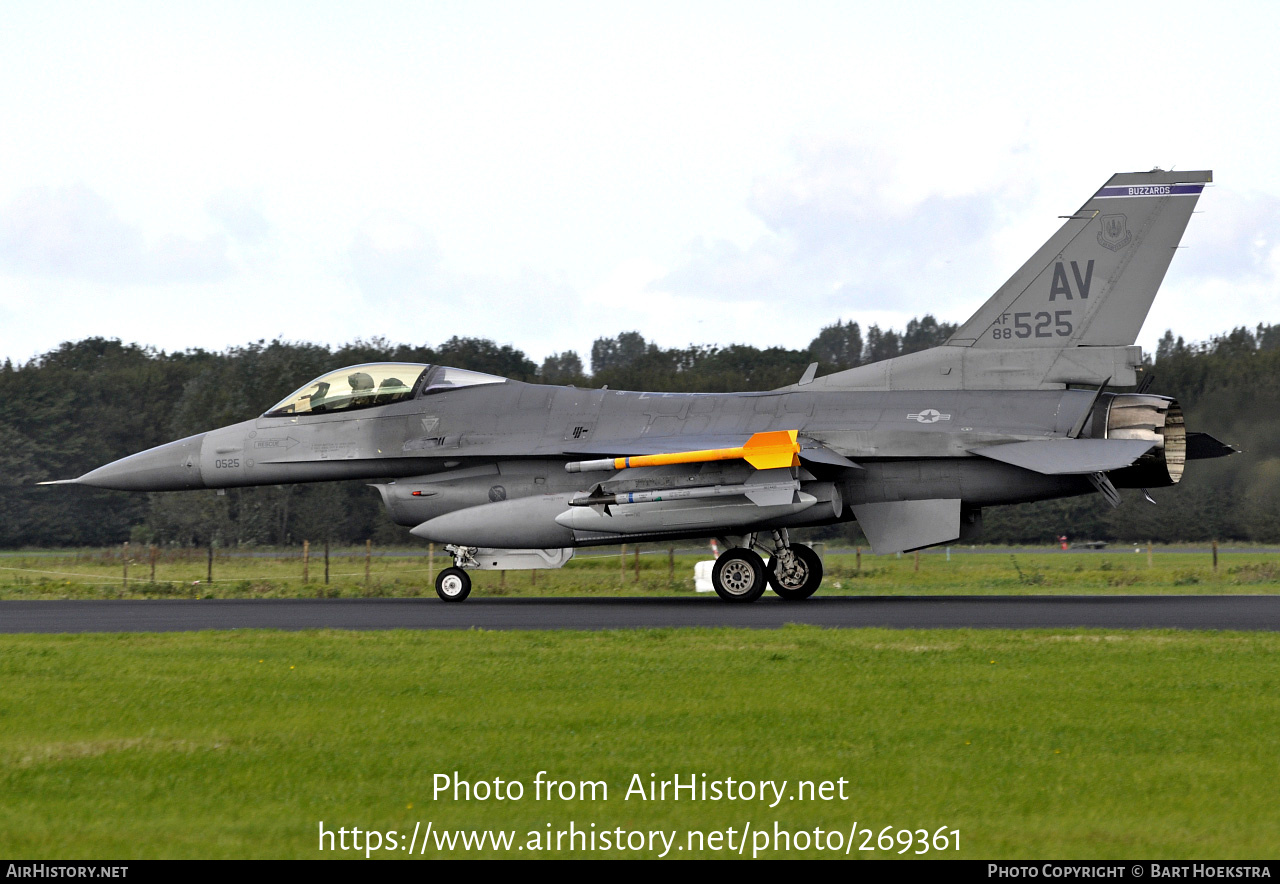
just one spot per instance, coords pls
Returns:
(739, 575)
(453, 584)
(801, 586)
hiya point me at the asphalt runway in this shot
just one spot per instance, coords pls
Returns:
(925, 612)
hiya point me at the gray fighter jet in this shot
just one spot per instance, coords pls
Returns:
(1013, 408)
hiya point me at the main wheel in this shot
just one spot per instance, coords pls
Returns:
(801, 582)
(738, 575)
(453, 584)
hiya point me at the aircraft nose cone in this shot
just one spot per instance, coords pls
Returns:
(171, 467)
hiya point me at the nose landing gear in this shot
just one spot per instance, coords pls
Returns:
(454, 584)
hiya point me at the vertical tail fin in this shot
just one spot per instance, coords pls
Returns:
(1093, 282)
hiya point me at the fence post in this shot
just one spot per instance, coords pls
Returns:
(153, 563)
(623, 560)
(124, 554)
(1215, 557)
(859, 560)
(326, 564)
(306, 561)
(368, 556)
(209, 575)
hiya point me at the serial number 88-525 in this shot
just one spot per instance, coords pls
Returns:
(1045, 325)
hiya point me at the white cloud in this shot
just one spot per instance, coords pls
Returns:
(392, 258)
(1227, 275)
(842, 240)
(709, 173)
(1234, 238)
(73, 233)
(240, 214)
(401, 278)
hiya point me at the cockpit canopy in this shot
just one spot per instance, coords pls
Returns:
(375, 383)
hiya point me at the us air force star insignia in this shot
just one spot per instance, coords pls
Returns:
(929, 416)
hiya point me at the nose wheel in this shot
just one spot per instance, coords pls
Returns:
(739, 575)
(453, 584)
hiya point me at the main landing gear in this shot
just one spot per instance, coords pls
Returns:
(794, 571)
(738, 575)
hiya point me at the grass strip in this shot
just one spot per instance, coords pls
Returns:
(1051, 744)
(181, 574)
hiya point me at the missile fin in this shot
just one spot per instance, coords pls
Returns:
(772, 496)
(775, 487)
(771, 450)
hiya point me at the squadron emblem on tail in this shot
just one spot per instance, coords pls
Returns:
(1115, 233)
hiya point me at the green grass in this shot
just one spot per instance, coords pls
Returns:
(601, 572)
(1049, 744)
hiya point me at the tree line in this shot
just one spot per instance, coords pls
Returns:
(87, 403)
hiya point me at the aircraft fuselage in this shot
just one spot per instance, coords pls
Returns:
(483, 445)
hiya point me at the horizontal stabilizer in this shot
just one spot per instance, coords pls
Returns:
(904, 525)
(1201, 446)
(1068, 457)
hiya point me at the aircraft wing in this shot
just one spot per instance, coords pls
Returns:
(1068, 457)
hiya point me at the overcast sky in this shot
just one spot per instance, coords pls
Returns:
(542, 174)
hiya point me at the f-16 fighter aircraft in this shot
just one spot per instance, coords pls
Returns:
(1014, 407)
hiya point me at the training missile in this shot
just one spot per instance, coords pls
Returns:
(760, 493)
(764, 451)
(718, 515)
